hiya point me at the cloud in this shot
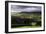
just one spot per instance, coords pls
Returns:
(25, 8)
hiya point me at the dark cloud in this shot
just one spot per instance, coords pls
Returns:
(25, 8)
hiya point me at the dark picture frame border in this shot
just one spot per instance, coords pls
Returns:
(6, 16)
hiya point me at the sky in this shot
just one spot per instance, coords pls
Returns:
(20, 8)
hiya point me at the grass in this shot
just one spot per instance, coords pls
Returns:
(27, 27)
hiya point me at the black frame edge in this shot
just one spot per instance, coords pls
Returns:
(44, 16)
(26, 2)
(6, 17)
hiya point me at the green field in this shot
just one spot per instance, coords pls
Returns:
(32, 19)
